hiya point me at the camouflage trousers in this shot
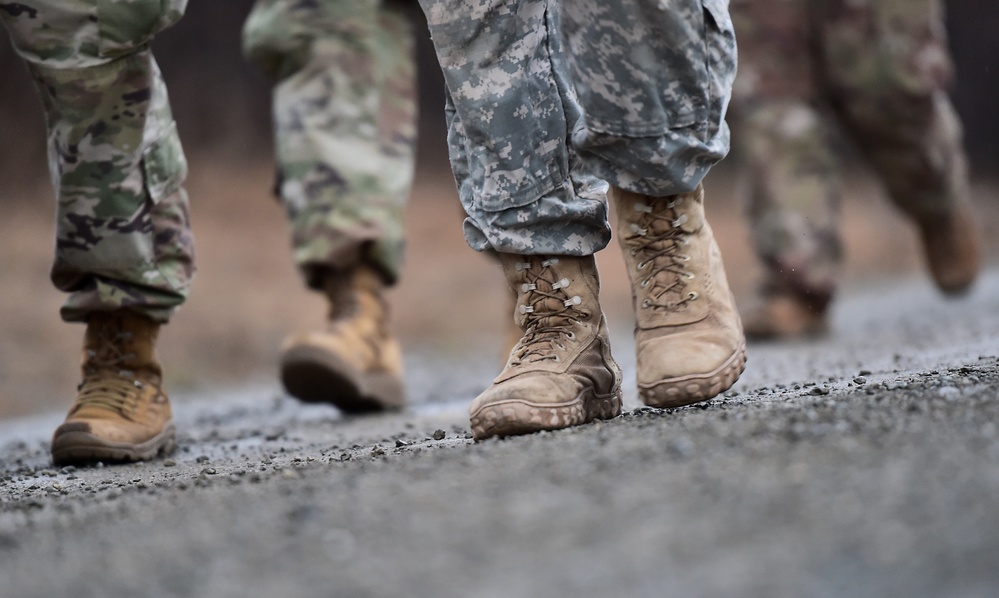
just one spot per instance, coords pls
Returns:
(550, 101)
(122, 238)
(344, 124)
(811, 71)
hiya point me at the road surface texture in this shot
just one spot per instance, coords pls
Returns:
(863, 464)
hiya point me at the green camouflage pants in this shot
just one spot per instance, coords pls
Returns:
(549, 101)
(344, 126)
(873, 70)
(122, 237)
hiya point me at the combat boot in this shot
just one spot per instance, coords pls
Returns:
(356, 363)
(560, 373)
(688, 334)
(785, 314)
(953, 248)
(121, 412)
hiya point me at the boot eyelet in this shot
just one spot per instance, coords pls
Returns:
(634, 252)
(692, 296)
(646, 303)
(643, 265)
(570, 335)
(645, 283)
(689, 275)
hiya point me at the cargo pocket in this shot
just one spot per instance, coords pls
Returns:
(164, 165)
(130, 24)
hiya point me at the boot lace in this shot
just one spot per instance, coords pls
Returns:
(658, 239)
(548, 313)
(107, 383)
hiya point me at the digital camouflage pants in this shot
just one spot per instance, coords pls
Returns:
(549, 101)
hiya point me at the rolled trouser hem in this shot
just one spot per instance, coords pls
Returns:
(669, 164)
(383, 257)
(568, 219)
(106, 295)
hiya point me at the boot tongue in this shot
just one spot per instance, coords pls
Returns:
(680, 217)
(122, 342)
(549, 303)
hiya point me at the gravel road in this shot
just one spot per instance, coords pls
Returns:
(864, 464)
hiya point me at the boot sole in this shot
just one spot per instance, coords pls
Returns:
(517, 416)
(81, 448)
(314, 376)
(695, 388)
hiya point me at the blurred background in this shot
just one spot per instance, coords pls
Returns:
(248, 296)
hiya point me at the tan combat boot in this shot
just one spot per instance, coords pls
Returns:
(953, 248)
(785, 314)
(356, 363)
(561, 372)
(121, 412)
(688, 335)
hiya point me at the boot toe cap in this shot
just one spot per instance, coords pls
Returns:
(685, 355)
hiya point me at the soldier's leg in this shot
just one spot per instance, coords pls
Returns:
(782, 129)
(345, 132)
(654, 82)
(530, 197)
(124, 250)
(510, 112)
(345, 126)
(888, 68)
(123, 238)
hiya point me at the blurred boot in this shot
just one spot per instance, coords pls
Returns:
(786, 314)
(356, 363)
(560, 373)
(121, 412)
(688, 334)
(953, 248)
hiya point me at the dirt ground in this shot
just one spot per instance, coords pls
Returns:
(863, 464)
(248, 296)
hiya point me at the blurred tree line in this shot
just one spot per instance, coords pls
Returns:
(222, 104)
